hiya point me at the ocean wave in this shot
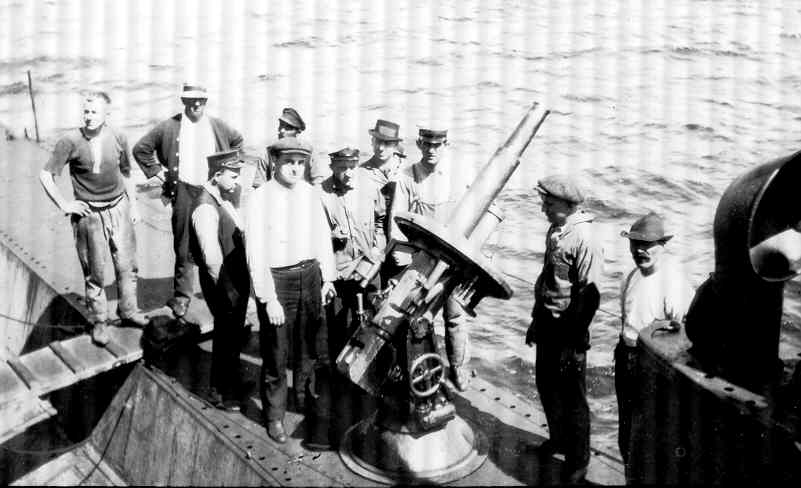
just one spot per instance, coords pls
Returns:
(13, 88)
(310, 42)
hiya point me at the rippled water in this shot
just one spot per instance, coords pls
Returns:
(657, 105)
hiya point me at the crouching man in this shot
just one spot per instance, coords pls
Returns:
(292, 267)
(217, 247)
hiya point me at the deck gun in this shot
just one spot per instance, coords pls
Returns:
(395, 355)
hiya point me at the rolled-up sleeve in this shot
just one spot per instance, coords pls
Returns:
(205, 220)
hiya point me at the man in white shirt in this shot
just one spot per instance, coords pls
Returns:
(292, 268)
(655, 290)
(431, 188)
(217, 246)
(179, 146)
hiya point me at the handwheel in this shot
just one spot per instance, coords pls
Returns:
(427, 372)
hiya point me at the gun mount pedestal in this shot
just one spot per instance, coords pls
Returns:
(416, 435)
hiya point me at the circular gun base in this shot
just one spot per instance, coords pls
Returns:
(397, 456)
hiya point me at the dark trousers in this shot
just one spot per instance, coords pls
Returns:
(301, 337)
(228, 334)
(561, 376)
(185, 194)
(349, 403)
(626, 372)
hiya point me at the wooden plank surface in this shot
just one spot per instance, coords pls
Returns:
(107, 471)
(16, 416)
(93, 359)
(49, 370)
(11, 385)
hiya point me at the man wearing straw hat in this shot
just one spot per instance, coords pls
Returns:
(655, 290)
(566, 298)
(180, 146)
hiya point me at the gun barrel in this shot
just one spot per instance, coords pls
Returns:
(492, 178)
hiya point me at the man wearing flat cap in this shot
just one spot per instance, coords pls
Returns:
(180, 145)
(292, 269)
(655, 290)
(290, 124)
(217, 246)
(566, 298)
(432, 188)
(355, 210)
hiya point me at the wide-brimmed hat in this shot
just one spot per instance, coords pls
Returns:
(291, 145)
(194, 91)
(385, 130)
(224, 160)
(290, 116)
(562, 187)
(648, 228)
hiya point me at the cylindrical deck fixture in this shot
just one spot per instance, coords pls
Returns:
(492, 178)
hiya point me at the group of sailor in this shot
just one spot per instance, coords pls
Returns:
(298, 243)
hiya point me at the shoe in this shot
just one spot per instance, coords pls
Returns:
(460, 378)
(100, 334)
(178, 305)
(548, 448)
(230, 405)
(214, 398)
(275, 429)
(317, 446)
(138, 320)
(574, 476)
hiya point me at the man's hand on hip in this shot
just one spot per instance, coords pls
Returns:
(77, 207)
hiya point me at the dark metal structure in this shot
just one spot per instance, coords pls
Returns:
(416, 433)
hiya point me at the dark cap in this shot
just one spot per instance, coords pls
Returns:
(432, 135)
(385, 130)
(224, 160)
(290, 116)
(345, 154)
(194, 91)
(561, 187)
(649, 228)
(290, 145)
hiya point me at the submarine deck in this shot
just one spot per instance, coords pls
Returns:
(42, 243)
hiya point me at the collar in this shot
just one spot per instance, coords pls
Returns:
(96, 136)
(214, 192)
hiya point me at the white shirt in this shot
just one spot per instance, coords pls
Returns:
(205, 220)
(664, 295)
(195, 143)
(284, 227)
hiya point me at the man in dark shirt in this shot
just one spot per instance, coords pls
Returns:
(181, 144)
(567, 296)
(103, 211)
(217, 244)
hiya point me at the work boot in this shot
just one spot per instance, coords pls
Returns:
(275, 429)
(179, 306)
(138, 319)
(100, 334)
(574, 475)
(460, 378)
